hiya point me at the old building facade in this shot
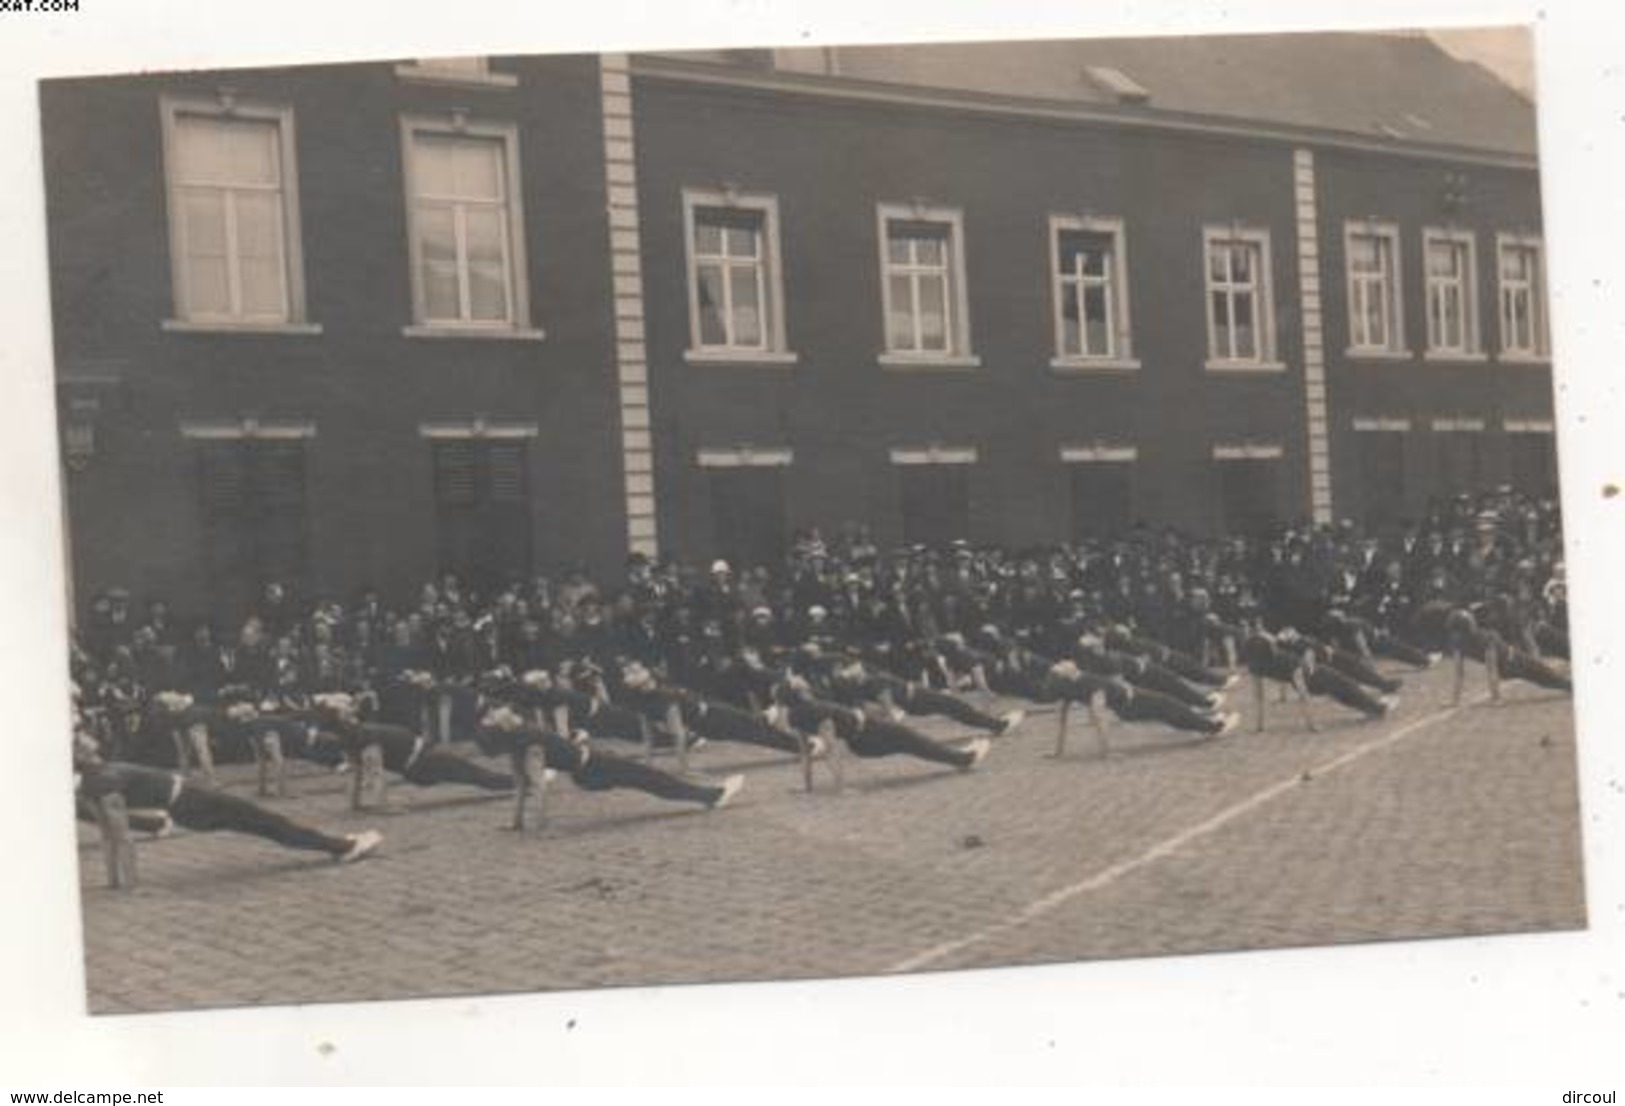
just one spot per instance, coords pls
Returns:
(356, 324)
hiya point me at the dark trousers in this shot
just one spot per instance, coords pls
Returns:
(609, 720)
(206, 810)
(1154, 677)
(1518, 665)
(1143, 705)
(927, 701)
(1387, 645)
(1185, 666)
(605, 772)
(879, 738)
(723, 722)
(1356, 669)
(1552, 641)
(1328, 681)
(436, 765)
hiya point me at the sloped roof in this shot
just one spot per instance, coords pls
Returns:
(1394, 86)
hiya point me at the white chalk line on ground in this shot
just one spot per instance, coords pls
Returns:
(1105, 877)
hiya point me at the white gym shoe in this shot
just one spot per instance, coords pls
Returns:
(817, 746)
(978, 750)
(1215, 700)
(360, 845)
(1231, 722)
(166, 825)
(730, 787)
(1010, 720)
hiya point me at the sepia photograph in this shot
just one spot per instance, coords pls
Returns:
(545, 522)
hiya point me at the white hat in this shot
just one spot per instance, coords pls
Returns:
(719, 567)
(173, 700)
(340, 702)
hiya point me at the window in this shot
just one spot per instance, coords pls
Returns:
(1249, 492)
(1459, 455)
(1531, 456)
(748, 516)
(473, 71)
(252, 505)
(735, 292)
(1375, 321)
(1449, 261)
(1382, 443)
(1522, 297)
(1102, 490)
(1089, 272)
(1239, 295)
(482, 508)
(923, 286)
(465, 226)
(933, 487)
(233, 214)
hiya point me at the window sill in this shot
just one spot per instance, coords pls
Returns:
(1444, 357)
(509, 333)
(193, 326)
(929, 361)
(1083, 366)
(1244, 368)
(1357, 353)
(747, 357)
(456, 79)
(1536, 360)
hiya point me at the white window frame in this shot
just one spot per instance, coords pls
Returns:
(1390, 285)
(1540, 350)
(1120, 353)
(1248, 451)
(1472, 348)
(1263, 299)
(471, 71)
(225, 107)
(956, 302)
(235, 430)
(1099, 453)
(744, 457)
(517, 324)
(477, 429)
(774, 348)
(1380, 424)
(934, 455)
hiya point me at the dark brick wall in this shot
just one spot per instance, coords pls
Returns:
(1410, 193)
(829, 164)
(365, 385)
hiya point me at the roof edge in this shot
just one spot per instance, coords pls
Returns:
(665, 67)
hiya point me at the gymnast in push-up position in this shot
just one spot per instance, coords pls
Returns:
(1309, 669)
(1461, 634)
(505, 730)
(1014, 670)
(158, 799)
(868, 733)
(850, 681)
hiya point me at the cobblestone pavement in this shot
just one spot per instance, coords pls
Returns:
(1432, 823)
